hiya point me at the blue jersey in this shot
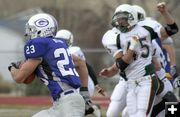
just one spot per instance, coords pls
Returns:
(57, 67)
(167, 67)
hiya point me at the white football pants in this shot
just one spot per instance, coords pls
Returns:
(141, 95)
(118, 99)
(71, 105)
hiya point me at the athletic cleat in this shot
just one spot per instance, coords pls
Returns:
(97, 111)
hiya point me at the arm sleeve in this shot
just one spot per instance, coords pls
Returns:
(92, 73)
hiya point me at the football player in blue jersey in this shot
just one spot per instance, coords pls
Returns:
(93, 84)
(49, 58)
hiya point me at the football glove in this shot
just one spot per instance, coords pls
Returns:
(14, 64)
(88, 104)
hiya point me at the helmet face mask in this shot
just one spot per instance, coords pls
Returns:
(41, 25)
(121, 20)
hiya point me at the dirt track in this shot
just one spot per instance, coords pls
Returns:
(42, 100)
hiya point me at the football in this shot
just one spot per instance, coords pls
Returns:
(30, 78)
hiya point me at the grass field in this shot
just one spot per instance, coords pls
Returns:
(27, 106)
(26, 111)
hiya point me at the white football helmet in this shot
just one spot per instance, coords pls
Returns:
(41, 25)
(125, 11)
(67, 35)
(141, 12)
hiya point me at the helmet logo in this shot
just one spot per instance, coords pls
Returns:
(41, 22)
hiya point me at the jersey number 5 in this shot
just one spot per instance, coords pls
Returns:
(144, 46)
(144, 54)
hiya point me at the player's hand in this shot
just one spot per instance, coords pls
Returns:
(88, 104)
(85, 94)
(100, 90)
(174, 72)
(169, 76)
(14, 64)
(176, 76)
(133, 42)
(162, 7)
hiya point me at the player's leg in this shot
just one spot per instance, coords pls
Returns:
(161, 114)
(131, 102)
(159, 108)
(118, 99)
(125, 113)
(71, 105)
(91, 87)
(165, 96)
(44, 113)
(96, 110)
(146, 93)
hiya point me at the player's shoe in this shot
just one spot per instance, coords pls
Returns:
(97, 111)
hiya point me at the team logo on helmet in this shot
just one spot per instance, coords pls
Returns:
(41, 22)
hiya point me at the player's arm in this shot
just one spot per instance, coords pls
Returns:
(171, 28)
(122, 62)
(93, 76)
(28, 67)
(92, 73)
(156, 63)
(171, 52)
(81, 68)
(33, 51)
(110, 71)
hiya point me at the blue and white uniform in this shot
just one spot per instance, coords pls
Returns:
(57, 67)
(58, 73)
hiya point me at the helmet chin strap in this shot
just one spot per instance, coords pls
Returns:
(125, 29)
